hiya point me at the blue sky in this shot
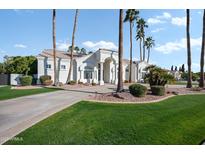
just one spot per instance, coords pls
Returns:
(28, 32)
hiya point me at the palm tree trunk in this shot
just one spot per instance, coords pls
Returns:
(130, 71)
(148, 55)
(54, 44)
(201, 82)
(143, 49)
(189, 82)
(72, 48)
(140, 49)
(120, 52)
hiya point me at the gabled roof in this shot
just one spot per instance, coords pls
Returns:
(59, 54)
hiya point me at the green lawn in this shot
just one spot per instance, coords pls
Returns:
(8, 93)
(178, 120)
(184, 83)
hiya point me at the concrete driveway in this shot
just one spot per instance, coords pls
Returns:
(21, 113)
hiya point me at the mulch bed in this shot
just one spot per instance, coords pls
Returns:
(124, 97)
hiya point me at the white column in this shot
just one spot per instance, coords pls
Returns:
(101, 74)
(116, 73)
(81, 75)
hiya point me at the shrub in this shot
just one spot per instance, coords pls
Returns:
(48, 82)
(126, 81)
(26, 80)
(80, 82)
(158, 76)
(43, 78)
(138, 90)
(72, 82)
(158, 90)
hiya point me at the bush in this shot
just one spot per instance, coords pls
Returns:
(72, 82)
(48, 82)
(126, 81)
(158, 90)
(157, 76)
(26, 80)
(138, 90)
(43, 78)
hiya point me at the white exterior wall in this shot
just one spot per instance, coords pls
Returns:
(107, 60)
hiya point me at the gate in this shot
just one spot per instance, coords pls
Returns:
(4, 79)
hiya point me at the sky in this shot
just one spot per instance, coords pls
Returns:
(28, 32)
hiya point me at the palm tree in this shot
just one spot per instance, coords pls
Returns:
(139, 37)
(131, 15)
(149, 43)
(72, 48)
(189, 81)
(201, 81)
(54, 45)
(120, 52)
(141, 25)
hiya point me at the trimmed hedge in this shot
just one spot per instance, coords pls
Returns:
(158, 90)
(138, 90)
(44, 78)
(26, 80)
(72, 82)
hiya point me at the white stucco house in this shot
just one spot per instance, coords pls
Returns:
(99, 67)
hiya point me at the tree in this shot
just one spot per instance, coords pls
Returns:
(201, 80)
(73, 41)
(77, 49)
(149, 43)
(172, 68)
(54, 46)
(175, 68)
(131, 15)
(189, 81)
(139, 37)
(83, 51)
(183, 68)
(120, 52)
(21, 65)
(2, 70)
(141, 25)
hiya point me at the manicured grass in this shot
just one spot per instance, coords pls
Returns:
(8, 93)
(178, 120)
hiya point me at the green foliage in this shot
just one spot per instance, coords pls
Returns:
(44, 78)
(21, 65)
(158, 76)
(72, 82)
(2, 70)
(158, 90)
(131, 15)
(26, 80)
(138, 90)
(195, 76)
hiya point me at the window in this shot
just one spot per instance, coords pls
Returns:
(88, 73)
(63, 67)
(48, 66)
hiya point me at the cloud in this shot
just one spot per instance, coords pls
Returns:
(179, 21)
(157, 30)
(2, 51)
(159, 19)
(62, 45)
(101, 44)
(165, 15)
(170, 47)
(154, 21)
(20, 46)
(19, 11)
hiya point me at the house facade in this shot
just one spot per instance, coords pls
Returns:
(99, 67)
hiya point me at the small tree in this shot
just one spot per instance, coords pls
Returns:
(2, 70)
(175, 68)
(183, 68)
(158, 76)
(172, 68)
